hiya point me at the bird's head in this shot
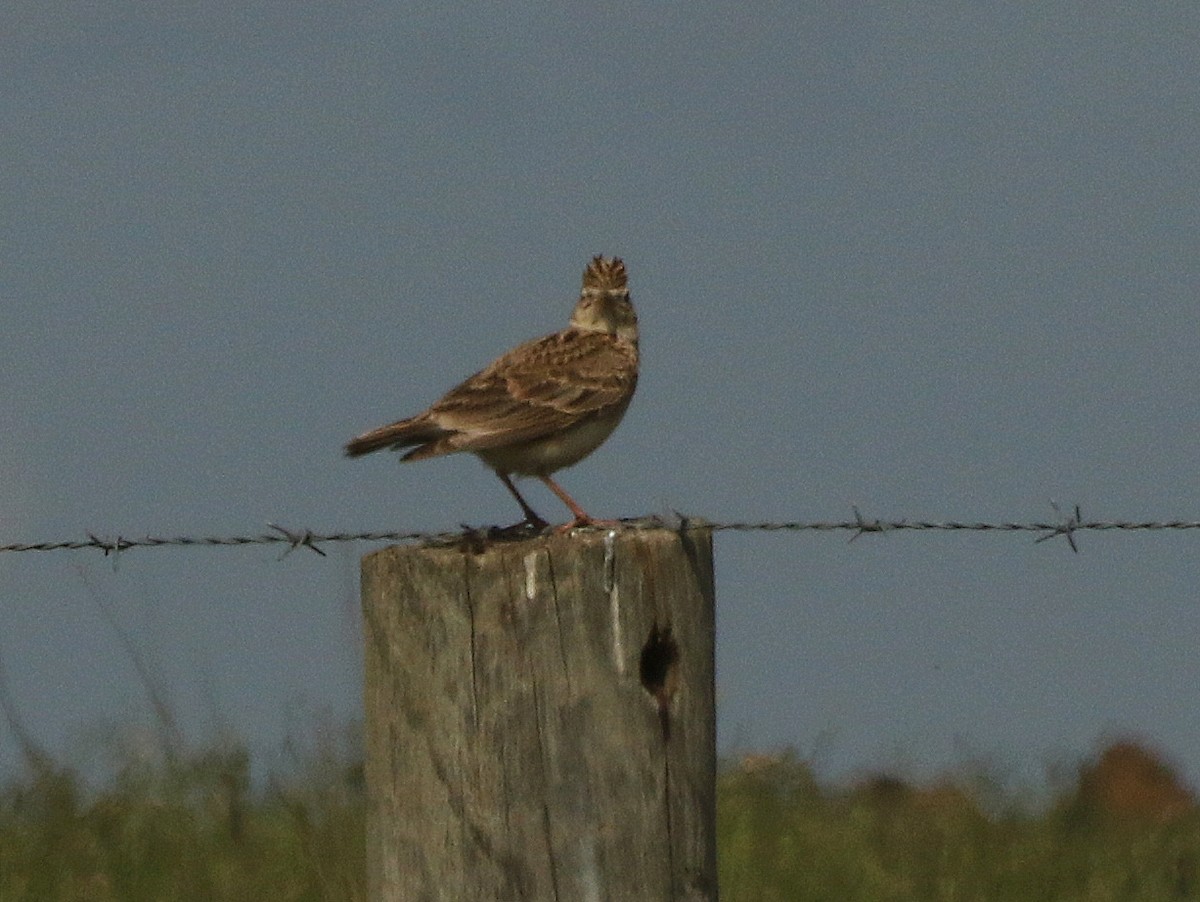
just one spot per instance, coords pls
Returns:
(604, 304)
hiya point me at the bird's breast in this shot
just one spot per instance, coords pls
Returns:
(543, 456)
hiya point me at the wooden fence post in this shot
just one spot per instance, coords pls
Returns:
(540, 720)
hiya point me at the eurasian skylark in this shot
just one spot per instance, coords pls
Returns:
(544, 405)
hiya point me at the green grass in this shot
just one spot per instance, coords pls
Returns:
(782, 837)
(191, 826)
(185, 828)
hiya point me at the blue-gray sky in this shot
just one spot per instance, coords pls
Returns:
(934, 260)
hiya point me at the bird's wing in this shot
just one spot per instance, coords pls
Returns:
(539, 388)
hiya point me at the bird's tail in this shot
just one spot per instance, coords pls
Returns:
(403, 434)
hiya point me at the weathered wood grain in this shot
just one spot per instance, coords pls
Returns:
(513, 750)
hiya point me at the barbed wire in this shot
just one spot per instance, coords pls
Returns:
(1067, 526)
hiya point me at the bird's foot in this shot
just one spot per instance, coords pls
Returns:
(587, 523)
(529, 524)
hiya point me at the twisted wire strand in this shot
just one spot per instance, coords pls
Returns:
(1067, 527)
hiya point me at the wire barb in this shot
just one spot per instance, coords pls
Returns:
(114, 547)
(296, 540)
(864, 526)
(1067, 528)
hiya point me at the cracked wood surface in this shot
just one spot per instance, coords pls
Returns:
(512, 750)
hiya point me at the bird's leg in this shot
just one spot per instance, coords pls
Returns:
(531, 516)
(581, 516)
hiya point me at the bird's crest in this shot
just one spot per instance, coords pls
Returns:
(605, 274)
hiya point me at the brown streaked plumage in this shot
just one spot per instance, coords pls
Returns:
(544, 405)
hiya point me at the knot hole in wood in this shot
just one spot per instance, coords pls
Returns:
(659, 672)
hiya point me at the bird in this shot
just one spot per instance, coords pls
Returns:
(543, 406)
